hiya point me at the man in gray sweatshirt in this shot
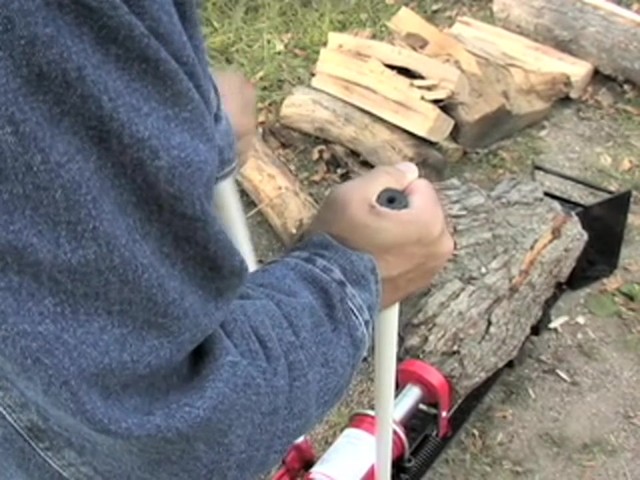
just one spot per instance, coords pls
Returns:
(134, 344)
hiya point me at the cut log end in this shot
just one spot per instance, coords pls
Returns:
(597, 31)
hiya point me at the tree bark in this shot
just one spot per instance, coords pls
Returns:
(597, 31)
(321, 115)
(276, 192)
(514, 246)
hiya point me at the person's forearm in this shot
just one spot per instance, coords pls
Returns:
(316, 307)
(283, 356)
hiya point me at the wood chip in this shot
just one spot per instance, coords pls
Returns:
(558, 322)
(563, 376)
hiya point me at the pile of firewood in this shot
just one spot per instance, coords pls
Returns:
(474, 82)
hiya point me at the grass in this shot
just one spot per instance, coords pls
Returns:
(276, 43)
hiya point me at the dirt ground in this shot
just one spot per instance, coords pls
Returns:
(570, 408)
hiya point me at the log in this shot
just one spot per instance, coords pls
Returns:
(505, 94)
(324, 116)
(512, 50)
(276, 192)
(442, 75)
(434, 125)
(514, 245)
(598, 31)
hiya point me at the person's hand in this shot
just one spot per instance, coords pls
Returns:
(238, 97)
(410, 246)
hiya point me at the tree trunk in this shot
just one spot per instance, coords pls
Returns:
(514, 246)
(321, 115)
(598, 31)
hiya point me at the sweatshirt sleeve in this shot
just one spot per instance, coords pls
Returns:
(292, 342)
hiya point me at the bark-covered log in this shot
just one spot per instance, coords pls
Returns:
(514, 247)
(324, 116)
(276, 192)
(597, 31)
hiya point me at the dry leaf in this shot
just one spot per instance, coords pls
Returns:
(300, 53)
(321, 152)
(321, 173)
(505, 415)
(612, 284)
(286, 37)
(630, 109)
(633, 266)
(263, 117)
(477, 442)
(281, 43)
(626, 164)
(257, 77)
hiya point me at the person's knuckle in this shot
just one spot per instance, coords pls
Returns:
(448, 245)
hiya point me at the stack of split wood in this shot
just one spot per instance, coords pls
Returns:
(474, 82)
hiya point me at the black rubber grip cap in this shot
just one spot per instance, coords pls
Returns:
(393, 199)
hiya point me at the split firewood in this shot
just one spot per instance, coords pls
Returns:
(276, 192)
(421, 35)
(598, 31)
(512, 50)
(380, 143)
(514, 246)
(429, 123)
(504, 96)
(430, 73)
(371, 73)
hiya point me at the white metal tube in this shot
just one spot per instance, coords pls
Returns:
(228, 206)
(385, 351)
